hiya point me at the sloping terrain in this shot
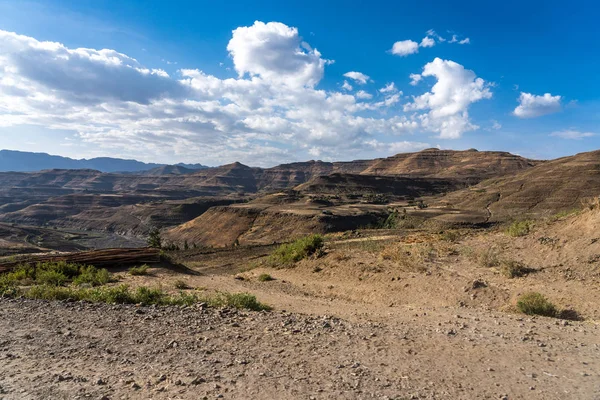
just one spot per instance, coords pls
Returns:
(451, 164)
(132, 203)
(545, 189)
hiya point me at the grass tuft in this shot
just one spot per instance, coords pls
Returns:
(139, 271)
(534, 303)
(265, 278)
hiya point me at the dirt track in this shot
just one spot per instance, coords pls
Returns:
(76, 350)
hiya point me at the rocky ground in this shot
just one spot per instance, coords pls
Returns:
(63, 350)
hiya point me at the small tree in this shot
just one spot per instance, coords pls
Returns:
(154, 239)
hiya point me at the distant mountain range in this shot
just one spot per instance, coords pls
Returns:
(21, 161)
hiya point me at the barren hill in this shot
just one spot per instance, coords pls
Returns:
(450, 164)
(547, 188)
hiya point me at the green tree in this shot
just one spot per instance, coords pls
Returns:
(154, 239)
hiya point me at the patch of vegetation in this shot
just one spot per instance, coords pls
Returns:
(412, 258)
(265, 278)
(450, 236)
(520, 228)
(244, 301)
(181, 285)
(139, 271)
(54, 274)
(515, 269)
(92, 276)
(489, 258)
(564, 214)
(534, 303)
(143, 295)
(297, 250)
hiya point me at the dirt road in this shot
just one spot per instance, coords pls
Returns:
(79, 351)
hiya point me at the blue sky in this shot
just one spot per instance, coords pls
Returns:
(197, 81)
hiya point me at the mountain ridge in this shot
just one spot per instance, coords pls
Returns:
(24, 161)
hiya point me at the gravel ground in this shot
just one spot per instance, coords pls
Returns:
(58, 350)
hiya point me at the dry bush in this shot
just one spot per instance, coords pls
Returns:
(592, 203)
(413, 258)
(489, 258)
(340, 256)
(520, 228)
(515, 269)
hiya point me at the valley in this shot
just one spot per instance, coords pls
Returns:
(271, 279)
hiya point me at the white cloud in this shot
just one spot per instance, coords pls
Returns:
(276, 52)
(347, 86)
(531, 105)
(434, 34)
(108, 102)
(465, 41)
(496, 125)
(415, 79)
(427, 42)
(358, 77)
(389, 88)
(572, 134)
(405, 48)
(361, 94)
(448, 102)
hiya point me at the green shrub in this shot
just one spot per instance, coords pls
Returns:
(147, 296)
(238, 300)
(514, 269)
(520, 228)
(46, 292)
(536, 304)
(122, 294)
(51, 278)
(92, 276)
(290, 253)
(265, 278)
(139, 271)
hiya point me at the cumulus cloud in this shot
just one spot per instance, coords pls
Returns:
(275, 51)
(361, 94)
(405, 47)
(572, 134)
(271, 113)
(415, 79)
(389, 88)
(465, 41)
(83, 76)
(358, 77)
(427, 42)
(531, 105)
(448, 101)
(347, 86)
